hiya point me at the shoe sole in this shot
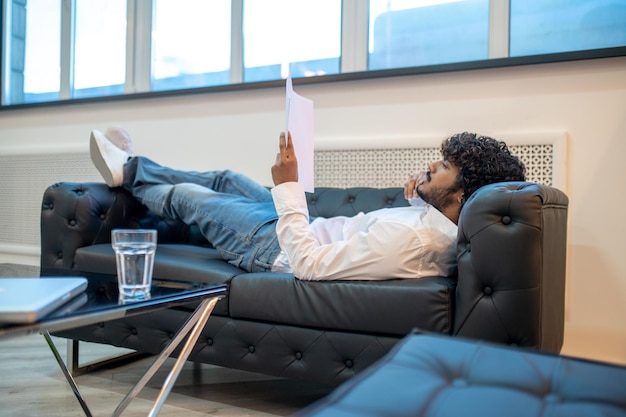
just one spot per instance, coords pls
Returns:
(98, 160)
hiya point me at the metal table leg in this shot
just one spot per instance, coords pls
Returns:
(204, 312)
(195, 323)
(72, 359)
(66, 372)
(192, 327)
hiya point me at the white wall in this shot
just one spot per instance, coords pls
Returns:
(239, 130)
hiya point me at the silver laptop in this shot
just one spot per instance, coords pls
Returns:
(26, 300)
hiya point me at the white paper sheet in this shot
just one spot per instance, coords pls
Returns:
(299, 121)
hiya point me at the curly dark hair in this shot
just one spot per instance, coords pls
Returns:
(481, 160)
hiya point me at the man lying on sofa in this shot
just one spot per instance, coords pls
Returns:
(257, 229)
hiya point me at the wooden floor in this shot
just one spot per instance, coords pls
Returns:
(31, 384)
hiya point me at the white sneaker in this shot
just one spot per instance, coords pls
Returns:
(108, 158)
(120, 138)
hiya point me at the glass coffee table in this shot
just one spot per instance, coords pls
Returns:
(100, 302)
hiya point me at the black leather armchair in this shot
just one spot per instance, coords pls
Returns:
(509, 289)
(433, 375)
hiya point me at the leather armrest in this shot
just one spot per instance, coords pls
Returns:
(74, 215)
(511, 253)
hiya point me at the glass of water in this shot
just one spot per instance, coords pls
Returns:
(134, 255)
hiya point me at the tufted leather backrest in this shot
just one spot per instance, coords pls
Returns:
(511, 265)
(74, 215)
(329, 202)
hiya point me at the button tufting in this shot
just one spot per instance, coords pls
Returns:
(170, 335)
(298, 355)
(133, 331)
(102, 216)
(60, 255)
(459, 383)
(487, 290)
(209, 342)
(551, 398)
(101, 324)
(468, 247)
(72, 222)
(251, 349)
(348, 363)
(506, 220)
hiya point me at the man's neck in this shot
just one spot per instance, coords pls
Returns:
(452, 212)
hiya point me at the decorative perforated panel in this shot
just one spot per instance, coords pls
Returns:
(24, 179)
(539, 161)
(381, 168)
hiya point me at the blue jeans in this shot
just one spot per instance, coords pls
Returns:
(234, 213)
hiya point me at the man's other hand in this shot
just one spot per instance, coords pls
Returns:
(285, 169)
(410, 185)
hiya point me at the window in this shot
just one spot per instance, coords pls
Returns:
(59, 50)
(410, 33)
(190, 44)
(543, 27)
(40, 70)
(286, 36)
(99, 48)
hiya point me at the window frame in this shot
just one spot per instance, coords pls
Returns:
(353, 59)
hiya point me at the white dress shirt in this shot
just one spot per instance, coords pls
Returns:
(405, 242)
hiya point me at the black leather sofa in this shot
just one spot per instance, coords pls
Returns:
(433, 375)
(509, 289)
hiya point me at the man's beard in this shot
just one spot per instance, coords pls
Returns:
(438, 197)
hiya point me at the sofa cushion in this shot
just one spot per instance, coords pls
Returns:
(172, 261)
(391, 307)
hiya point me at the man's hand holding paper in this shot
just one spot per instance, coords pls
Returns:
(285, 169)
(299, 124)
